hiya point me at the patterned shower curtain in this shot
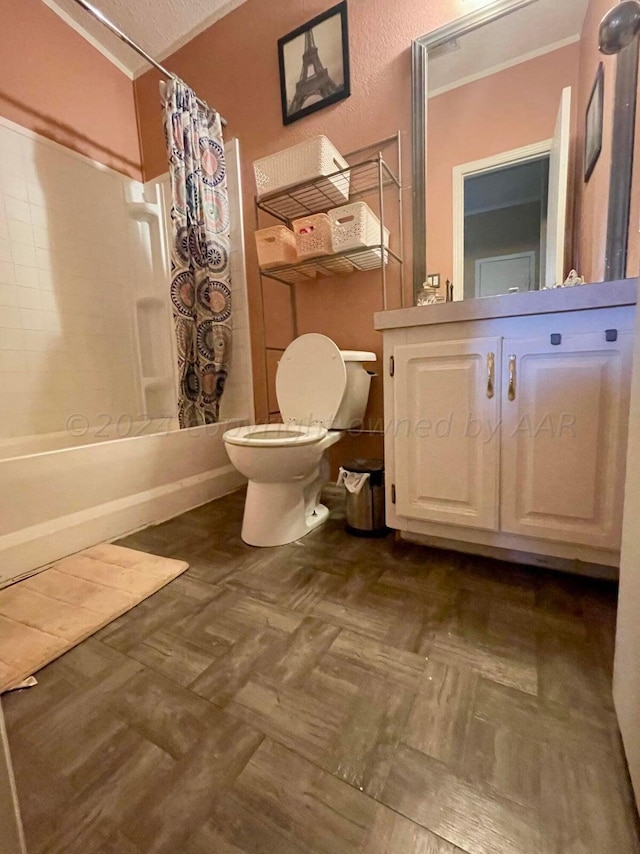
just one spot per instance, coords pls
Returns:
(200, 280)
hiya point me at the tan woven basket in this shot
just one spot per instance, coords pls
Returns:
(276, 247)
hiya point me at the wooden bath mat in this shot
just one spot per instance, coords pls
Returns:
(46, 615)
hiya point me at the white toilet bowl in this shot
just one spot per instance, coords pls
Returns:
(321, 391)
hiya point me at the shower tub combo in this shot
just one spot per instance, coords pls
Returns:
(65, 491)
(59, 496)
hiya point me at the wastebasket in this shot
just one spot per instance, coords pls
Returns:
(364, 481)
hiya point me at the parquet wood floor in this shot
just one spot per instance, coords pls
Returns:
(336, 695)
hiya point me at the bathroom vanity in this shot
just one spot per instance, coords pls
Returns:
(506, 424)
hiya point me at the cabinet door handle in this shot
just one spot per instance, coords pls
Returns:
(491, 370)
(512, 377)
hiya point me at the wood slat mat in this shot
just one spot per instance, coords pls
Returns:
(46, 615)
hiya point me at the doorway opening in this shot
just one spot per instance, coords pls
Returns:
(505, 228)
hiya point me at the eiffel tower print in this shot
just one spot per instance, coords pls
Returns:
(315, 79)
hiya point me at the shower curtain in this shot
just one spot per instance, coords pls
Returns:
(200, 280)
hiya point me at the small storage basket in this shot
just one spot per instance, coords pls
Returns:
(313, 236)
(276, 247)
(307, 161)
(355, 227)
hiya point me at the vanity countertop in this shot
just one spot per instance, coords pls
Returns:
(579, 298)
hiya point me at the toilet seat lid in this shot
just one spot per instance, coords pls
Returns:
(311, 381)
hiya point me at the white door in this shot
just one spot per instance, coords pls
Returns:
(447, 431)
(626, 674)
(564, 430)
(558, 192)
(505, 273)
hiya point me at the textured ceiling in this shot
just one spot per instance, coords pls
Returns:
(158, 26)
(524, 31)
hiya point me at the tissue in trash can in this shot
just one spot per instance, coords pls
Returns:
(354, 481)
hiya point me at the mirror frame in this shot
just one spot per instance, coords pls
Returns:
(622, 158)
(623, 138)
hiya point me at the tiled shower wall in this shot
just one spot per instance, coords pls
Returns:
(73, 262)
(67, 271)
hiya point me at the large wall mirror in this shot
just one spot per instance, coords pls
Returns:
(523, 150)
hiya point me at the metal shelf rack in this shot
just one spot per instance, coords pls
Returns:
(337, 264)
(368, 175)
(311, 197)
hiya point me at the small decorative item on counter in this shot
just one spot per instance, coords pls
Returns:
(428, 297)
(449, 287)
(573, 279)
(429, 294)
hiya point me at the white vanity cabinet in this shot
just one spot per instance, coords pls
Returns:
(506, 423)
(564, 437)
(445, 471)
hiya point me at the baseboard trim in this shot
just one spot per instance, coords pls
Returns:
(27, 551)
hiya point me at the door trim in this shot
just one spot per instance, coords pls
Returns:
(477, 167)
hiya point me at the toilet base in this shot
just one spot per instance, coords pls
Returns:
(279, 513)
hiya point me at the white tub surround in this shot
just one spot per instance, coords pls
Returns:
(506, 424)
(70, 257)
(85, 309)
(55, 503)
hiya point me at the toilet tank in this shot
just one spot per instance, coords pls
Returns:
(350, 415)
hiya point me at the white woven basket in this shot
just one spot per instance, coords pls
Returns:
(314, 158)
(313, 236)
(276, 246)
(355, 226)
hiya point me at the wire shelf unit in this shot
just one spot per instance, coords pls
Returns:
(318, 196)
(369, 174)
(337, 264)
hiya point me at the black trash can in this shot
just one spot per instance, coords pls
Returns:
(365, 509)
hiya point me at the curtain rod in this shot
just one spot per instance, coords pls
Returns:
(102, 18)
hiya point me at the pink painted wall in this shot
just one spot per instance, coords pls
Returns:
(592, 199)
(54, 82)
(234, 65)
(484, 118)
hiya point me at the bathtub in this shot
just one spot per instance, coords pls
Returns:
(60, 493)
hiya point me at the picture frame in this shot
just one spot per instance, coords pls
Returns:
(594, 121)
(433, 280)
(314, 65)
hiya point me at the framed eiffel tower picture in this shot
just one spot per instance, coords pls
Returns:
(314, 65)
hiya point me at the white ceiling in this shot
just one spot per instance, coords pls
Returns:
(158, 26)
(505, 41)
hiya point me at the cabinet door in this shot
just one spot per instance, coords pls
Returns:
(446, 431)
(564, 431)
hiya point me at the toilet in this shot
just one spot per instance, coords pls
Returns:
(322, 391)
